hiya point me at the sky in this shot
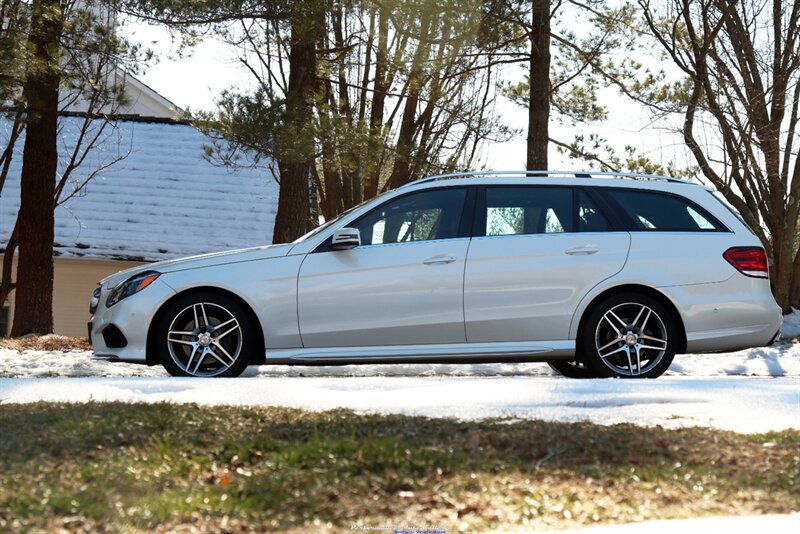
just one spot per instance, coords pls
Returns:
(195, 81)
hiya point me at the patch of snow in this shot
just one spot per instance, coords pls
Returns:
(753, 390)
(741, 404)
(790, 328)
(40, 363)
(774, 524)
(781, 359)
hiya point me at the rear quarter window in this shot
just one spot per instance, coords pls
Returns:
(721, 199)
(655, 211)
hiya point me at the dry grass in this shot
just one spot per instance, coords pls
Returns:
(47, 342)
(164, 467)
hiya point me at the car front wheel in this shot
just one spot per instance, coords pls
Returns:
(205, 335)
(629, 336)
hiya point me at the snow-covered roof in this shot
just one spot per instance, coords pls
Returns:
(162, 201)
(140, 100)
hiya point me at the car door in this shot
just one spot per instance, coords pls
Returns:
(537, 251)
(402, 286)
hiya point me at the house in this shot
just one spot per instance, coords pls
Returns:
(155, 198)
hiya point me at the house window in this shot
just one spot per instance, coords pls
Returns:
(4, 313)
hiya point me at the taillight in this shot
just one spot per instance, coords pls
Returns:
(750, 261)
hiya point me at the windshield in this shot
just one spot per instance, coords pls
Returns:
(327, 224)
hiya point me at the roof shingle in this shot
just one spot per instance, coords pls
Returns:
(162, 201)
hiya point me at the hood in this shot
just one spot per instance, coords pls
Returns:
(204, 260)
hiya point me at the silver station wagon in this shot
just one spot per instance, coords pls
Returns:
(598, 274)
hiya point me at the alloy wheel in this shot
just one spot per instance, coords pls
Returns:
(631, 339)
(204, 339)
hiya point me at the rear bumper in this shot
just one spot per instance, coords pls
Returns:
(775, 337)
(731, 339)
(736, 314)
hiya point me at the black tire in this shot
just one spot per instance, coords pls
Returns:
(624, 325)
(211, 336)
(572, 369)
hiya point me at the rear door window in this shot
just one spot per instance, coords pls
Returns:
(528, 210)
(590, 218)
(654, 211)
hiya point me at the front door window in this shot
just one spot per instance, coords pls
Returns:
(423, 216)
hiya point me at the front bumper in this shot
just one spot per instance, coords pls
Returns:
(132, 318)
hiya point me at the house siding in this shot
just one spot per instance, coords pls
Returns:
(73, 283)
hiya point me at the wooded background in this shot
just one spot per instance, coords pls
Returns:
(353, 97)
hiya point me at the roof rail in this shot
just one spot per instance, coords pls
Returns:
(526, 174)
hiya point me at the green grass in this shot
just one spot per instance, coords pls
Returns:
(147, 467)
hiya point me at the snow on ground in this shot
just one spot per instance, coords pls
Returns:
(774, 524)
(742, 404)
(791, 325)
(782, 359)
(754, 390)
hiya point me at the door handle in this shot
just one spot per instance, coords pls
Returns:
(439, 259)
(584, 250)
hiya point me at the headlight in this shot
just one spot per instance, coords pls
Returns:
(94, 301)
(131, 286)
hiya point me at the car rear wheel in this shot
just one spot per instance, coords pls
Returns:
(205, 335)
(629, 336)
(572, 369)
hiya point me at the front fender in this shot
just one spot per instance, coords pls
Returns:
(268, 286)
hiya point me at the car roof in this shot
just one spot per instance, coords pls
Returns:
(564, 178)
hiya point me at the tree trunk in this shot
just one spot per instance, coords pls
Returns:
(409, 124)
(295, 164)
(6, 280)
(539, 96)
(8, 153)
(333, 205)
(781, 276)
(33, 309)
(375, 142)
(347, 161)
(794, 300)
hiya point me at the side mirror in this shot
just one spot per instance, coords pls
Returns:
(346, 238)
